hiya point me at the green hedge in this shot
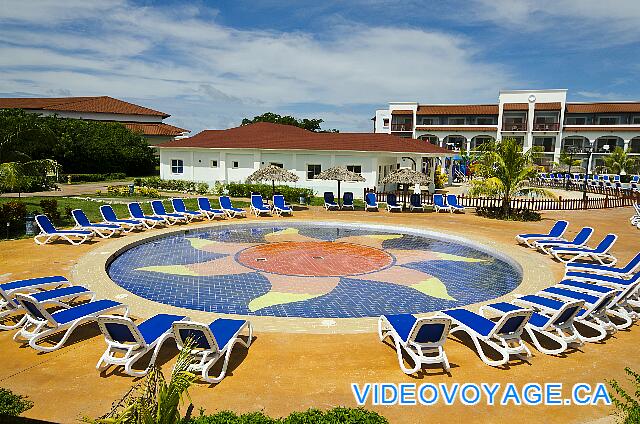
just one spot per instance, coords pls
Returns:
(92, 178)
(173, 185)
(333, 416)
(291, 194)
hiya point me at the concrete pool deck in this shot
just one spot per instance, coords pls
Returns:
(284, 372)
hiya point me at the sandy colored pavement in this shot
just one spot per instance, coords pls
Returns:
(282, 373)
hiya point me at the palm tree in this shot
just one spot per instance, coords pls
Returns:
(506, 170)
(154, 400)
(619, 161)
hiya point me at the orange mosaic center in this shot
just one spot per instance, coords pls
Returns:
(315, 258)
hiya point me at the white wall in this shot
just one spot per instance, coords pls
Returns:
(197, 165)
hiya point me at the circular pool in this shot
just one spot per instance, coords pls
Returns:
(313, 270)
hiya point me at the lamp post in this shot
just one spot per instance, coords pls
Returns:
(571, 151)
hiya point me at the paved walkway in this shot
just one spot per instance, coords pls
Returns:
(283, 372)
(71, 189)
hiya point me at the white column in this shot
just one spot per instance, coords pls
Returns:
(223, 166)
(450, 172)
(468, 144)
(557, 149)
(432, 175)
(626, 144)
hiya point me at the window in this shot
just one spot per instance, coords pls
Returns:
(608, 120)
(485, 121)
(635, 120)
(385, 122)
(576, 120)
(279, 165)
(429, 121)
(235, 164)
(313, 170)
(355, 168)
(214, 163)
(177, 166)
(456, 121)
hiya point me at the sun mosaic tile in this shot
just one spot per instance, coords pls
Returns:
(312, 271)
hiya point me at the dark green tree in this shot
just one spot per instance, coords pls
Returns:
(274, 118)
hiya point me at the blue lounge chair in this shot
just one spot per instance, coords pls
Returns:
(258, 207)
(570, 254)
(557, 327)
(555, 233)
(170, 218)
(330, 201)
(280, 207)
(136, 212)
(102, 230)
(392, 203)
(127, 225)
(452, 201)
(421, 338)
(347, 200)
(439, 205)
(624, 305)
(507, 331)
(634, 184)
(601, 316)
(211, 343)
(371, 203)
(227, 207)
(204, 205)
(40, 324)
(49, 233)
(415, 204)
(55, 297)
(180, 208)
(128, 342)
(619, 272)
(549, 306)
(579, 240)
(606, 280)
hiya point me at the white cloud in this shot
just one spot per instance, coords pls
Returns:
(216, 75)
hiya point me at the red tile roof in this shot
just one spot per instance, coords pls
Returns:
(101, 104)
(610, 107)
(457, 110)
(516, 106)
(456, 128)
(549, 106)
(264, 135)
(155, 128)
(601, 128)
(401, 112)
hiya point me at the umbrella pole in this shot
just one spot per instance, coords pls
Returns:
(406, 191)
(273, 188)
(339, 197)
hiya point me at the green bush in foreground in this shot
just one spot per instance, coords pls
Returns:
(12, 404)
(333, 416)
(627, 404)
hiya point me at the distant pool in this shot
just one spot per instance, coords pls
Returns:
(312, 270)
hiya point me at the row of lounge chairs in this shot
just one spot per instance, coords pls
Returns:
(635, 218)
(592, 301)
(127, 342)
(113, 225)
(555, 244)
(415, 203)
(594, 181)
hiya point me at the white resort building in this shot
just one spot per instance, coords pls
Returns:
(541, 118)
(232, 155)
(147, 122)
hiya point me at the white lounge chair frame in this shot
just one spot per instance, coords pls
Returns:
(44, 237)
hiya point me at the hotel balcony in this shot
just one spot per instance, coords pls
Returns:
(543, 126)
(514, 126)
(402, 127)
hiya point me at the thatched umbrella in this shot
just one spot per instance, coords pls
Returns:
(339, 173)
(406, 176)
(272, 173)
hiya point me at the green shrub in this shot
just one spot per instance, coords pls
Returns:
(496, 212)
(202, 188)
(13, 213)
(12, 404)
(169, 185)
(627, 403)
(291, 194)
(333, 416)
(123, 191)
(91, 178)
(50, 208)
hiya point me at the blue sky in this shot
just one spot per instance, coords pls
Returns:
(210, 64)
